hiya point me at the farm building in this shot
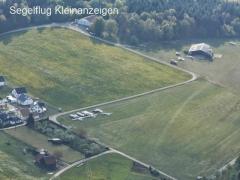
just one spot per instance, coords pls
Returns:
(16, 92)
(87, 21)
(2, 81)
(46, 160)
(201, 50)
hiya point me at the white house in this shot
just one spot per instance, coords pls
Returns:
(24, 100)
(2, 81)
(16, 92)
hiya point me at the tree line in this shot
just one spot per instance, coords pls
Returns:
(140, 20)
(156, 20)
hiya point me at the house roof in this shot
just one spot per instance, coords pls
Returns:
(202, 47)
(23, 98)
(21, 90)
(90, 18)
(2, 79)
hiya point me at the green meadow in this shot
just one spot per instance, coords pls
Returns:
(111, 166)
(14, 164)
(40, 141)
(69, 70)
(185, 131)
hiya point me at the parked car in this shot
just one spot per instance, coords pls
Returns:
(96, 111)
(73, 116)
(80, 114)
(181, 59)
(88, 114)
(178, 54)
(174, 62)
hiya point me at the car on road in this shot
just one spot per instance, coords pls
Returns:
(174, 62)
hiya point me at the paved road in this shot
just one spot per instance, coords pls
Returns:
(68, 25)
(143, 164)
(54, 117)
(79, 162)
(231, 163)
(111, 151)
(194, 76)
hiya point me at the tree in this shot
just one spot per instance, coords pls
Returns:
(236, 25)
(30, 121)
(82, 133)
(98, 27)
(111, 28)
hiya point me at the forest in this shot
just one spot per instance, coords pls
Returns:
(140, 20)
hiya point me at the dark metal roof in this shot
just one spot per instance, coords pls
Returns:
(21, 90)
(23, 98)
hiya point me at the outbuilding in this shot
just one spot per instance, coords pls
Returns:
(45, 160)
(201, 50)
(16, 92)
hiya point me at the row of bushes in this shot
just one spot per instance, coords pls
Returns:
(76, 142)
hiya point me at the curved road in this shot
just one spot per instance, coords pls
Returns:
(54, 117)
(69, 26)
(79, 162)
(111, 151)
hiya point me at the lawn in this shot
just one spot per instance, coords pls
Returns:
(69, 70)
(14, 164)
(111, 166)
(225, 70)
(185, 131)
(4, 91)
(40, 141)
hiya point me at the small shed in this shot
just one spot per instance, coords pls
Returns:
(46, 160)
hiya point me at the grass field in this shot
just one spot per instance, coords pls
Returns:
(225, 70)
(111, 166)
(70, 70)
(4, 91)
(185, 131)
(14, 164)
(40, 141)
